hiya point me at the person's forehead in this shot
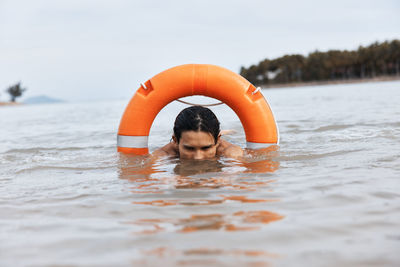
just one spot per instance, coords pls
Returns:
(197, 138)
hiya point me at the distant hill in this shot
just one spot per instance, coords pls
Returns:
(42, 99)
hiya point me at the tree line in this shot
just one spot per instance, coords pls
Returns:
(377, 59)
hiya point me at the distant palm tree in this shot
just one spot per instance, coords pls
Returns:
(15, 91)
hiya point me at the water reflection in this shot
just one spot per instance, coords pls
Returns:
(187, 167)
(261, 166)
(158, 176)
(237, 221)
(236, 189)
(255, 161)
(132, 166)
(201, 202)
(167, 256)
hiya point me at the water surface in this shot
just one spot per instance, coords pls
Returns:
(328, 196)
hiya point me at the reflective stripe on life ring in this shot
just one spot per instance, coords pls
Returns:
(132, 141)
(196, 79)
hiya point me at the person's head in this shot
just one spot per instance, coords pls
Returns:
(196, 133)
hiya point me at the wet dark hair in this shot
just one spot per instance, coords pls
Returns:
(196, 118)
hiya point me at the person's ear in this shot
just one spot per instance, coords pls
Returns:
(174, 139)
(218, 138)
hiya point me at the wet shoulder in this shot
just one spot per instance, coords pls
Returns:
(167, 150)
(230, 150)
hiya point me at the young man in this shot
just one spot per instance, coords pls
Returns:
(197, 135)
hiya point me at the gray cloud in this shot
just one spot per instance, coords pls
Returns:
(103, 49)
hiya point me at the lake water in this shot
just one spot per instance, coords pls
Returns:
(328, 196)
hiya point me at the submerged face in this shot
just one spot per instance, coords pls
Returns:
(197, 145)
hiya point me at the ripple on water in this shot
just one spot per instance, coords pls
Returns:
(327, 197)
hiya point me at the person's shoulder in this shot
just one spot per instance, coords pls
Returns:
(167, 150)
(233, 151)
(230, 150)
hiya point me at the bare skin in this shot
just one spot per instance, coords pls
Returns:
(199, 145)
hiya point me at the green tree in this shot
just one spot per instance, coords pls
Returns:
(15, 91)
(377, 59)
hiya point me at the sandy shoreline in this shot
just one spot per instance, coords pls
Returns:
(315, 83)
(10, 103)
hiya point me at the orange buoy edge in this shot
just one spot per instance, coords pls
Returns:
(196, 79)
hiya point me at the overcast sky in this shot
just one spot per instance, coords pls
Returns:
(81, 50)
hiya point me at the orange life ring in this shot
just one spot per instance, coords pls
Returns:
(196, 79)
